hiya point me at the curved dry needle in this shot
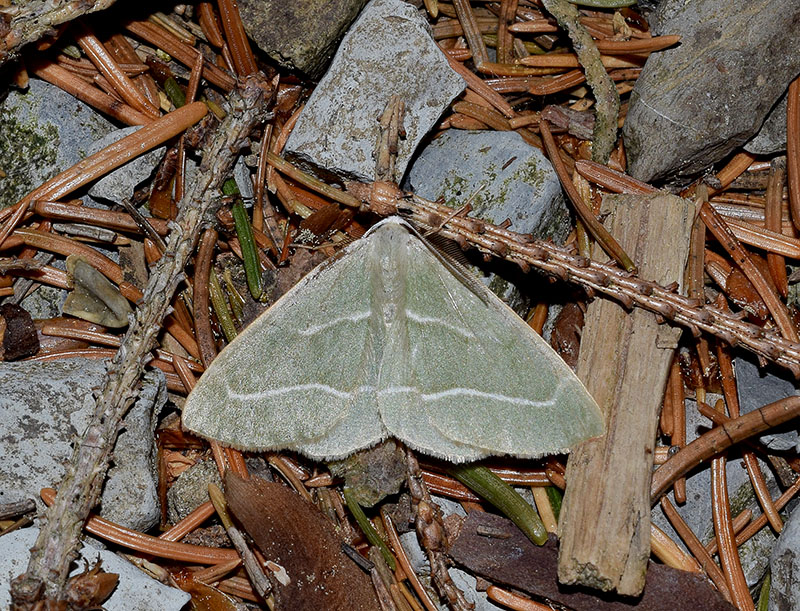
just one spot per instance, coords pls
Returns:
(461, 211)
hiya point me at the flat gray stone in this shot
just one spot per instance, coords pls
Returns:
(43, 131)
(134, 592)
(697, 102)
(244, 181)
(44, 416)
(388, 50)
(771, 138)
(190, 489)
(758, 387)
(46, 301)
(121, 183)
(502, 177)
(784, 563)
(299, 35)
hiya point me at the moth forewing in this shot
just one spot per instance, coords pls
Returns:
(300, 373)
(479, 377)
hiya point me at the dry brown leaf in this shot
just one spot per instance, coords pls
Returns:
(297, 536)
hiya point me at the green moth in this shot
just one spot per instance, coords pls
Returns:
(387, 340)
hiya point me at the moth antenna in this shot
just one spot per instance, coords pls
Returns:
(462, 211)
(449, 249)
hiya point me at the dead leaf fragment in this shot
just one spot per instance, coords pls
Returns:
(494, 548)
(295, 535)
(744, 294)
(94, 297)
(373, 474)
(566, 336)
(89, 589)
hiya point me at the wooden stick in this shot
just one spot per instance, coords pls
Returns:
(609, 477)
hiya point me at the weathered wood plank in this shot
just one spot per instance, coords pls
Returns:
(624, 362)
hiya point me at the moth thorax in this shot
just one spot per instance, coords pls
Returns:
(389, 310)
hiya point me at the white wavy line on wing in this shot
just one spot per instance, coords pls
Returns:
(275, 392)
(425, 320)
(470, 392)
(357, 317)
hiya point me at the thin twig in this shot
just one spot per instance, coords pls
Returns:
(29, 21)
(587, 216)
(731, 395)
(12, 510)
(720, 438)
(605, 93)
(430, 531)
(719, 228)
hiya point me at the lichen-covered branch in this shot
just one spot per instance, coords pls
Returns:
(432, 537)
(605, 92)
(29, 21)
(80, 489)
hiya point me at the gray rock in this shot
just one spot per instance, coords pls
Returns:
(45, 301)
(45, 414)
(190, 490)
(784, 563)
(696, 512)
(134, 592)
(771, 138)
(299, 35)
(388, 50)
(121, 183)
(130, 495)
(502, 177)
(754, 554)
(244, 182)
(758, 387)
(43, 131)
(696, 103)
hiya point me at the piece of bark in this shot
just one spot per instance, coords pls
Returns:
(18, 337)
(94, 297)
(624, 363)
(494, 548)
(297, 536)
